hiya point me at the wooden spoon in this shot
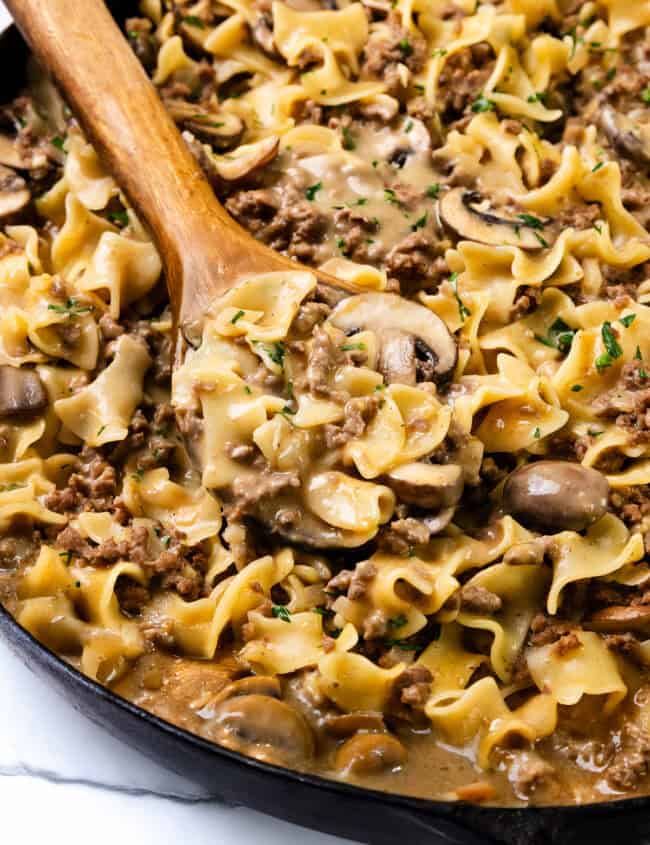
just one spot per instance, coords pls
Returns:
(204, 251)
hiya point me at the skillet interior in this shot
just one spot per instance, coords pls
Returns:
(314, 802)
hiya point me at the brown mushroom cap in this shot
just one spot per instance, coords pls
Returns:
(556, 496)
(253, 685)
(21, 392)
(366, 754)
(14, 193)
(347, 724)
(619, 619)
(462, 211)
(625, 135)
(262, 727)
(222, 130)
(430, 486)
(380, 312)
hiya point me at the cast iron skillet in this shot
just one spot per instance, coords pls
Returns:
(364, 815)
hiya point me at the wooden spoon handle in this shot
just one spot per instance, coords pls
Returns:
(203, 249)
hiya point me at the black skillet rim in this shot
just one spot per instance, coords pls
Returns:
(416, 820)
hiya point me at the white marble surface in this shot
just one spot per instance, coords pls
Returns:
(62, 779)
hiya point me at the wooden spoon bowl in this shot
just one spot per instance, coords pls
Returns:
(203, 250)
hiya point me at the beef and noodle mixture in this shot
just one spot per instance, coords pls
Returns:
(398, 537)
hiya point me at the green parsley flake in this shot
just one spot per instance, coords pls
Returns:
(645, 96)
(237, 317)
(537, 433)
(463, 310)
(66, 557)
(312, 190)
(531, 221)
(350, 347)
(538, 97)
(279, 611)
(70, 309)
(560, 336)
(408, 126)
(119, 217)
(193, 20)
(348, 141)
(577, 388)
(405, 47)
(398, 621)
(483, 104)
(58, 142)
(433, 191)
(597, 167)
(420, 223)
(627, 320)
(612, 345)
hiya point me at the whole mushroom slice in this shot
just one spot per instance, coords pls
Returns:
(386, 312)
(619, 619)
(469, 215)
(14, 193)
(221, 130)
(21, 392)
(625, 135)
(253, 685)
(237, 164)
(556, 496)
(429, 486)
(263, 727)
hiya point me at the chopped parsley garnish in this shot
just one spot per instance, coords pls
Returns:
(341, 244)
(66, 557)
(577, 388)
(58, 142)
(120, 217)
(192, 20)
(537, 433)
(560, 336)
(166, 540)
(391, 197)
(538, 97)
(398, 621)
(312, 190)
(612, 345)
(287, 409)
(593, 433)
(248, 390)
(645, 96)
(482, 104)
(439, 51)
(279, 611)
(350, 347)
(597, 167)
(463, 310)
(237, 317)
(420, 223)
(405, 47)
(101, 430)
(321, 611)
(542, 240)
(70, 309)
(276, 353)
(408, 126)
(138, 475)
(531, 221)
(7, 488)
(375, 162)
(405, 645)
(598, 228)
(627, 320)
(433, 191)
(348, 141)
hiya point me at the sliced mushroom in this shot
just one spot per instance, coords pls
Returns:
(221, 130)
(379, 312)
(467, 213)
(439, 521)
(10, 155)
(397, 357)
(263, 727)
(262, 33)
(254, 685)
(369, 754)
(619, 619)
(429, 486)
(625, 135)
(347, 724)
(238, 164)
(304, 528)
(14, 193)
(556, 496)
(21, 392)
